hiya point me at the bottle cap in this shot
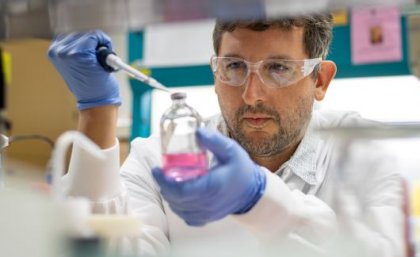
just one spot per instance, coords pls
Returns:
(178, 95)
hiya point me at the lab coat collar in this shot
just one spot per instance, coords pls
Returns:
(303, 161)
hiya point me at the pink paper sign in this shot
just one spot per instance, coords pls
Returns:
(375, 35)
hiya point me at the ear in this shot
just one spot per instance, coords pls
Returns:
(325, 75)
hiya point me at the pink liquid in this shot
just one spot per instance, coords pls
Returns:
(185, 166)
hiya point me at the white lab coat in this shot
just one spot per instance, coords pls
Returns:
(294, 210)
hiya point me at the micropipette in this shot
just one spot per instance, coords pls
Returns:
(111, 62)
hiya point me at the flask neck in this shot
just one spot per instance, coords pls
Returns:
(178, 102)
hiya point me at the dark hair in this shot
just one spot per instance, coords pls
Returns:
(317, 31)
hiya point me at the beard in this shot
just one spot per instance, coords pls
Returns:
(290, 128)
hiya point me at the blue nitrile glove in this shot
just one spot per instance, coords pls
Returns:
(233, 185)
(74, 56)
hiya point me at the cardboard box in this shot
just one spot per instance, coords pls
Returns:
(38, 102)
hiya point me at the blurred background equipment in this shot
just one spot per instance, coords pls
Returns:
(17, 14)
(4, 123)
(365, 151)
(38, 109)
(48, 17)
(414, 42)
(4, 80)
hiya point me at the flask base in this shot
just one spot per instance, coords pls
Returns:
(185, 166)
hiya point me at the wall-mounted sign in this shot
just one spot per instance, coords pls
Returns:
(376, 35)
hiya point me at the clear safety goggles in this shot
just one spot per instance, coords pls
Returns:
(276, 73)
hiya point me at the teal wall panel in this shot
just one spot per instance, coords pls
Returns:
(184, 76)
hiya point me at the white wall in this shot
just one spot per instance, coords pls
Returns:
(395, 98)
(120, 47)
(379, 98)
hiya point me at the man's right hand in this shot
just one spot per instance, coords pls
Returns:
(74, 56)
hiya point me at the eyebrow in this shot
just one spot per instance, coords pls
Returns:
(233, 55)
(282, 57)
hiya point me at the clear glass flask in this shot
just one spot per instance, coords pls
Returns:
(182, 157)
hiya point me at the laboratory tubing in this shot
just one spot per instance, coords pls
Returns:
(182, 157)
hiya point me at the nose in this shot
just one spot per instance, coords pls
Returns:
(255, 90)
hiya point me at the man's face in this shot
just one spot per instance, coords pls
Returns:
(265, 120)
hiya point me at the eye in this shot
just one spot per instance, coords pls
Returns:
(234, 64)
(277, 67)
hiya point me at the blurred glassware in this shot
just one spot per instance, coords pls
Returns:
(365, 155)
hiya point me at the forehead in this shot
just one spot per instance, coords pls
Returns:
(257, 45)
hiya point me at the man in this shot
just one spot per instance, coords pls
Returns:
(270, 178)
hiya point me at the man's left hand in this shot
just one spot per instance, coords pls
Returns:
(233, 185)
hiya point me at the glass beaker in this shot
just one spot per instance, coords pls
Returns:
(182, 157)
(376, 168)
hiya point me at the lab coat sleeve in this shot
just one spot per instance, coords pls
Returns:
(145, 201)
(281, 212)
(380, 230)
(287, 214)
